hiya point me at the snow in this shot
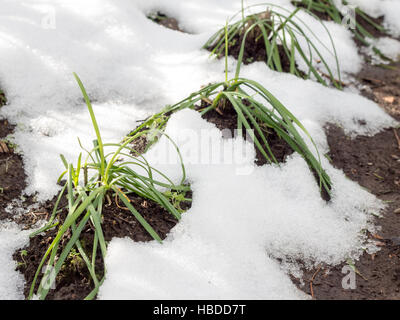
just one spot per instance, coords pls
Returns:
(132, 67)
(389, 47)
(11, 282)
(391, 9)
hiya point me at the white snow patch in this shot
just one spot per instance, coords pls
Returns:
(389, 47)
(11, 281)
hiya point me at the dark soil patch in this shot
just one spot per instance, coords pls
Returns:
(254, 50)
(13, 183)
(3, 99)
(74, 281)
(5, 128)
(374, 162)
(320, 14)
(381, 83)
(12, 180)
(164, 20)
(12, 173)
(141, 143)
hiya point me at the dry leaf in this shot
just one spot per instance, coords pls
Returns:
(388, 99)
(3, 147)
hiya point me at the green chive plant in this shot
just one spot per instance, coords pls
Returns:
(258, 111)
(106, 175)
(329, 9)
(281, 32)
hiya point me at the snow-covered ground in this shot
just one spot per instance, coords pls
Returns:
(11, 282)
(226, 243)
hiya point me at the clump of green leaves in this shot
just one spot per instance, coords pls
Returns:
(75, 260)
(23, 254)
(281, 32)
(106, 175)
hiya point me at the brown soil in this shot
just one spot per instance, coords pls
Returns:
(3, 99)
(74, 281)
(5, 128)
(13, 183)
(141, 143)
(254, 50)
(381, 84)
(164, 20)
(12, 174)
(322, 15)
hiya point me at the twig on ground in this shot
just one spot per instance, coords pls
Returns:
(312, 280)
(397, 137)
